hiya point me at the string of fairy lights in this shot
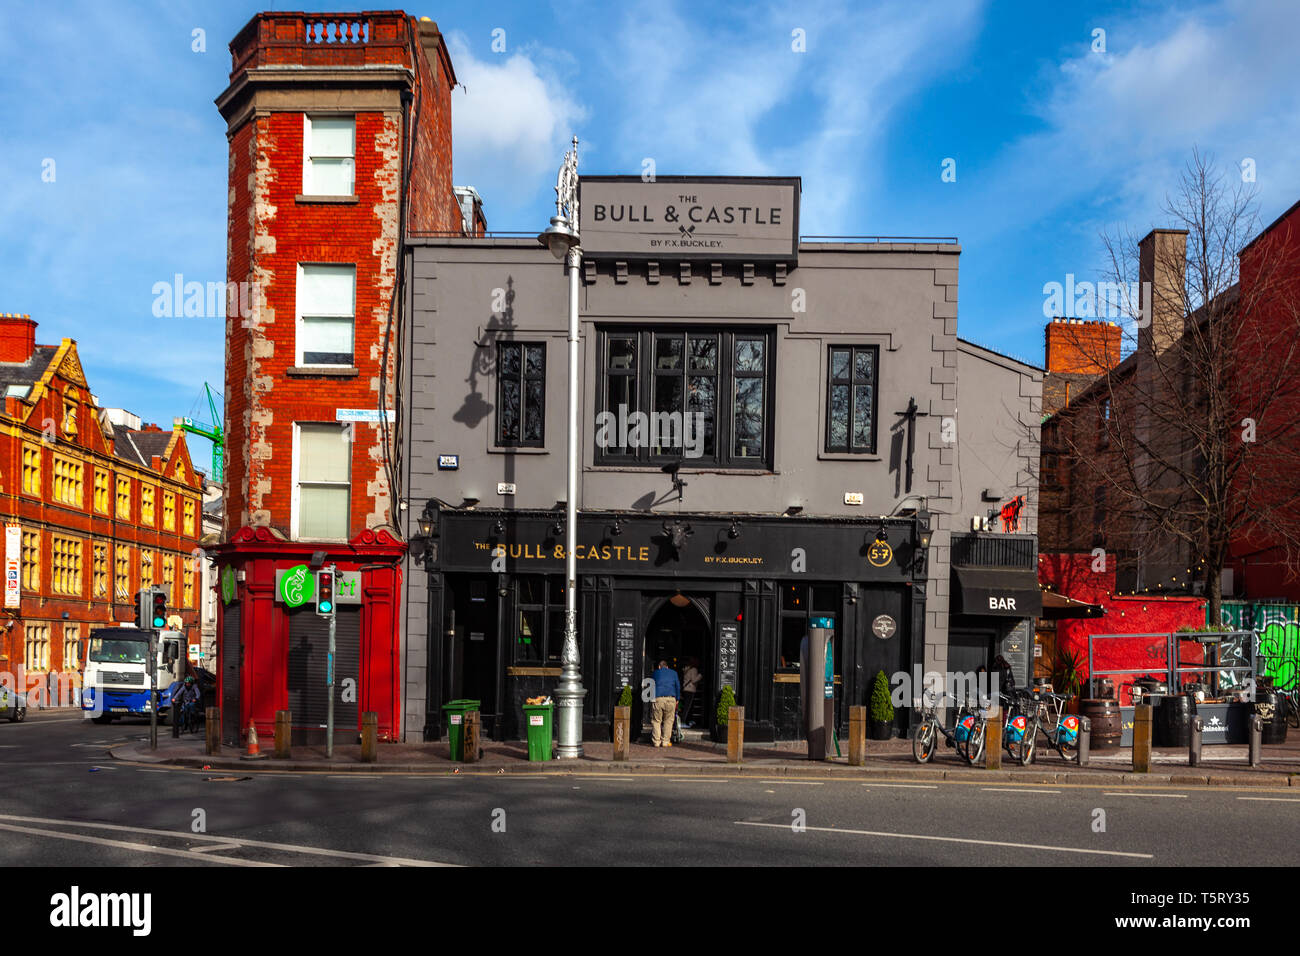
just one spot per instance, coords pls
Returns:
(1165, 589)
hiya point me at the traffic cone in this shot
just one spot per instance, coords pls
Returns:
(254, 752)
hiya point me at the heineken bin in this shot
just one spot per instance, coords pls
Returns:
(456, 711)
(538, 718)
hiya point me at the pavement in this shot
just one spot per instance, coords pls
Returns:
(1223, 765)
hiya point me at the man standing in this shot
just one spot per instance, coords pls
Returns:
(668, 690)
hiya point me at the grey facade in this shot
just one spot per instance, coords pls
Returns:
(767, 515)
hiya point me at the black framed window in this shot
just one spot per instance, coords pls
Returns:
(539, 619)
(521, 394)
(699, 394)
(851, 399)
(799, 602)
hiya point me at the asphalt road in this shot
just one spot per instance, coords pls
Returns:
(64, 803)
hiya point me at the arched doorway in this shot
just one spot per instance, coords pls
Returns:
(678, 631)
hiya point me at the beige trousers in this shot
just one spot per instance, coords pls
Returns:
(661, 720)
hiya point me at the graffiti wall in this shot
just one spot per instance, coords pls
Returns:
(1279, 636)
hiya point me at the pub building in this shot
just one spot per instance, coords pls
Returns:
(769, 433)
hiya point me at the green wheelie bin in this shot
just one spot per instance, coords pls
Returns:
(456, 711)
(538, 717)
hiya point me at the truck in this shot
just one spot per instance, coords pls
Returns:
(115, 682)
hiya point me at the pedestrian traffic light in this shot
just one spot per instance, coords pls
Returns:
(158, 609)
(325, 592)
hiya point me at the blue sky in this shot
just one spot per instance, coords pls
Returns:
(1053, 141)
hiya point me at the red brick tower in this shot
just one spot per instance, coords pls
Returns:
(339, 128)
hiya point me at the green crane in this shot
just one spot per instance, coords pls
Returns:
(212, 433)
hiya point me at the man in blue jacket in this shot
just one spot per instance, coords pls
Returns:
(668, 690)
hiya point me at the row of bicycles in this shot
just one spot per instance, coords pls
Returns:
(1026, 715)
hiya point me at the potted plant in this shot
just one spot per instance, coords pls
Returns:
(624, 700)
(882, 709)
(726, 701)
(1067, 677)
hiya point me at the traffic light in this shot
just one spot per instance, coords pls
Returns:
(143, 605)
(158, 609)
(325, 592)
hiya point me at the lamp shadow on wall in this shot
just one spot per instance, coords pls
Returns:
(475, 408)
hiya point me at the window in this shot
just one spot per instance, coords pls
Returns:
(187, 586)
(191, 509)
(99, 558)
(31, 560)
(31, 470)
(146, 504)
(539, 619)
(328, 145)
(71, 647)
(146, 570)
(101, 491)
(851, 401)
(521, 394)
(326, 302)
(169, 578)
(322, 489)
(68, 477)
(169, 511)
(121, 572)
(124, 497)
(798, 603)
(37, 640)
(703, 395)
(66, 577)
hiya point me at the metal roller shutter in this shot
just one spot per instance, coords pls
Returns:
(230, 660)
(308, 646)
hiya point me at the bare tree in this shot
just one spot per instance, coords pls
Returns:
(1191, 444)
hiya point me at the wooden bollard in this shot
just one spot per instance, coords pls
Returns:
(1142, 738)
(735, 734)
(993, 739)
(622, 725)
(212, 729)
(283, 729)
(857, 736)
(471, 731)
(369, 736)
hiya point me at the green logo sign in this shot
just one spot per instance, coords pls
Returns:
(298, 586)
(227, 584)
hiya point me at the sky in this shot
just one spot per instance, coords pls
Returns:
(1023, 129)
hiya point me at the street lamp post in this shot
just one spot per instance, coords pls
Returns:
(563, 239)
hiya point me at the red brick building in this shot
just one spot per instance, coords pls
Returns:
(339, 130)
(95, 508)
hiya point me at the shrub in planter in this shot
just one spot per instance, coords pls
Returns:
(625, 698)
(882, 709)
(726, 700)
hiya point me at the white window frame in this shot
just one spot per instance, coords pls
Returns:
(295, 507)
(309, 187)
(299, 335)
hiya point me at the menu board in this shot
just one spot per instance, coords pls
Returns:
(728, 654)
(624, 652)
(1016, 648)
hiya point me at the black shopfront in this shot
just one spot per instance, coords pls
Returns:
(732, 593)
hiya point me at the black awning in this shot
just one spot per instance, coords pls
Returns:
(998, 592)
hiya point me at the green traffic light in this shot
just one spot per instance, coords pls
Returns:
(325, 607)
(159, 622)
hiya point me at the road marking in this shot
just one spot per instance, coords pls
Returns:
(907, 786)
(150, 770)
(216, 846)
(98, 767)
(603, 776)
(1272, 799)
(238, 841)
(943, 839)
(123, 845)
(1132, 793)
(699, 779)
(796, 783)
(351, 776)
(1016, 790)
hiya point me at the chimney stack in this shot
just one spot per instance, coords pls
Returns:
(17, 337)
(1082, 346)
(1162, 266)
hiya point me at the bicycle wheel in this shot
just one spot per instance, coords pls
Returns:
(1293, 708)
(923, 742)
(975, 744)
(1025, 746)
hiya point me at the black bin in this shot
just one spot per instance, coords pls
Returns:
(1270, 706)
(1173, 718)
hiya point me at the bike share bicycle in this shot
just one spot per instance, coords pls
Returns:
(1038, 711)
(966, 737)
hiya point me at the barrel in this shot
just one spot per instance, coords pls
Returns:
(1269, 706)
(1174, 721)
(1104, 715)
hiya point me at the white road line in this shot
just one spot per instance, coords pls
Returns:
(1273, 799)
(1132, 793)
(215, 846)
(352, 776)
(796, 783)
(1016, 790)
(150, 770)
(122, 845)
(942, 839)
(239, 841)
(699, 779)
(906, 786)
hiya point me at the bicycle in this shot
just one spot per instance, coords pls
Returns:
(967, 736)
(1064, 735)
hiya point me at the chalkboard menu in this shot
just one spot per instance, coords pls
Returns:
(624, 645)
(1016, 649)
(728, 654)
